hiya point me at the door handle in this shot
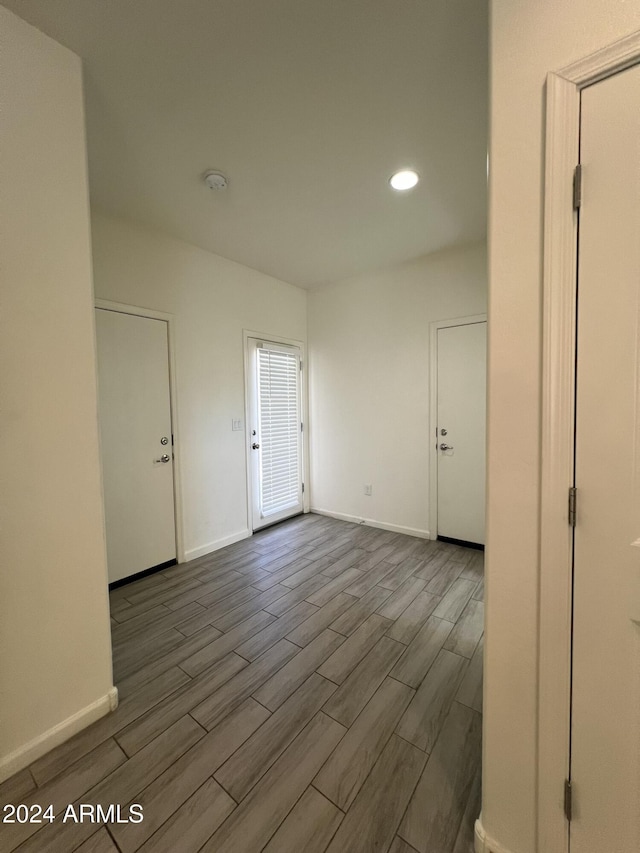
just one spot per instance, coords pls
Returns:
(164, 458)
(444, 446)
(255, 446)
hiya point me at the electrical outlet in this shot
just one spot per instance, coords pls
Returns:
(236, 424)
(368, 489)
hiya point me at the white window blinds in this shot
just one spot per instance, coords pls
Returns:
(279, 417)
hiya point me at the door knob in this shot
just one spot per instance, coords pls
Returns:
(164, 458)
(255, 446)
(444, 446)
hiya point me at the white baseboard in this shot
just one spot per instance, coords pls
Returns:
(370, 522)
(114, 699)
(194, 553)
(483, 843)
(39, 746)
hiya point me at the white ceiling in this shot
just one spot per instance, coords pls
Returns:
(307, 106)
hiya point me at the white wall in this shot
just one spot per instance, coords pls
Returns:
(212, 300)
(55, 659)
(369, 383)
(528, 39)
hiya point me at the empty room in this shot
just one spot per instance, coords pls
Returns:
(296, 322)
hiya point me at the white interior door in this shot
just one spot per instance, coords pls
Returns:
(275, 431)
(461, 426)
(135, 433)
(605, 742)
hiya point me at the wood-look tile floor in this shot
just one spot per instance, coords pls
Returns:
(314, 688)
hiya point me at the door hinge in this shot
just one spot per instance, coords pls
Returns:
(573, 500)
(301, 427)
(577, 186)
(568, 799)
(303, 488)
(300, 364)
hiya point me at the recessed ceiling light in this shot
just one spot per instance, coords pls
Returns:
(404, 180)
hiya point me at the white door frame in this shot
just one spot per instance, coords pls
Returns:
(122, 308)
(433, 410)
(304, 408)
(557, 447)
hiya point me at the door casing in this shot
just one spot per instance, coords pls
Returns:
(558, 418)
(169, 319)
(433, 410)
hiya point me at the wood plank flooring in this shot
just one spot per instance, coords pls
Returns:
(316, 688)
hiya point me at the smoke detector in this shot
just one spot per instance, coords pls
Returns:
(215, 181)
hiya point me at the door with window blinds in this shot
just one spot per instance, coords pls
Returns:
(275, 431)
